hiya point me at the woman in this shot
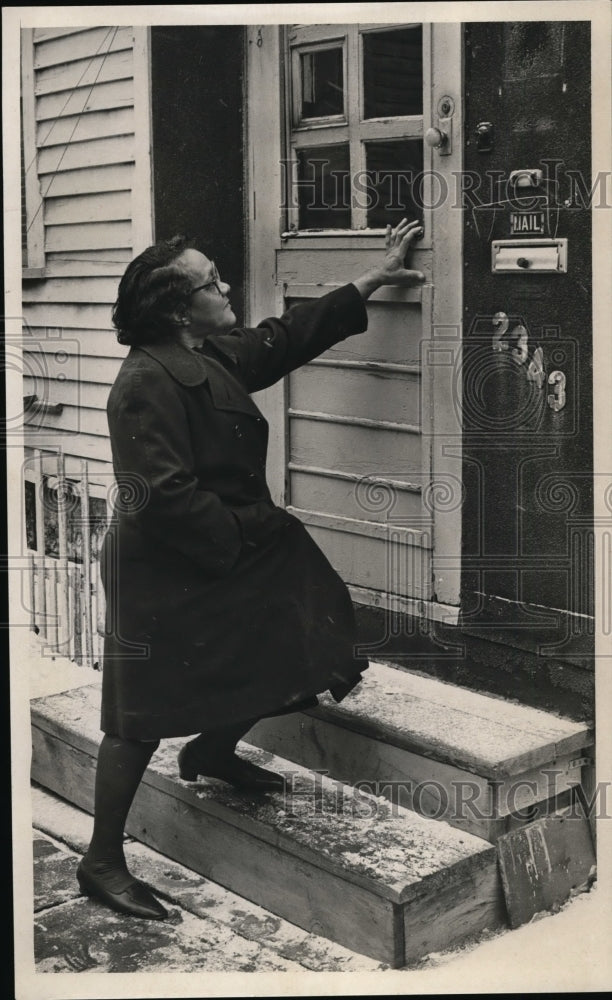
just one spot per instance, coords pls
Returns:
(221, 610)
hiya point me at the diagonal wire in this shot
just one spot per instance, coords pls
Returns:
(69, 98)
(69, 139)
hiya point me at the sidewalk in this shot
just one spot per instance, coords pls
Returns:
(209, 928)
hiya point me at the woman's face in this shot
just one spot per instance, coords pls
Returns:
(210, 311)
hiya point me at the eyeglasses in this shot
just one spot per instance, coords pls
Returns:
(215, 280)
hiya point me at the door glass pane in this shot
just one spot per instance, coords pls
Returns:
(393, 72)
(322, 83)
(324, 187)
(394, 182)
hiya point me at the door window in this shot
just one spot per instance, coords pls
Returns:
(356, 129)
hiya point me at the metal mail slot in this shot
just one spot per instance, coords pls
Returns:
(527, 256)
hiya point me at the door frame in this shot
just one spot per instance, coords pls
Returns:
(441, 301)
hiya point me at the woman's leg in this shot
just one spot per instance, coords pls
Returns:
(121, 765)
(103, 871)
(213, 755)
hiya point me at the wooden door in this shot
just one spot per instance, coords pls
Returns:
(366, 440)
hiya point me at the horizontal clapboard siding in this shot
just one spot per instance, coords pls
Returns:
(69, 315)
(86, 147)
(78, 419)
(42, 34)
(82, 45)
(89, 235)
(71, 392)
(77, 446)
(92, 153)
(81, 262)
(117, 65)
(70, 289)
(80, 127)
(82, 100)
(88, 208)
(89, 180)
(67, 357)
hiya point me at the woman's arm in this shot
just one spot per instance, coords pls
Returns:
(260, 357)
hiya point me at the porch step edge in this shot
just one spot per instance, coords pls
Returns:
(325, 852)
(476, 732)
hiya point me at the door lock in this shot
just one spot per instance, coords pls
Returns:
(485, 135)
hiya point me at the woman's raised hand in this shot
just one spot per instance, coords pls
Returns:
(398, 242)
(392, 270)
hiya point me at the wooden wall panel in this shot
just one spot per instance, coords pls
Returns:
(376, 563)
(353, 448)
(377, 395)
(357, 498)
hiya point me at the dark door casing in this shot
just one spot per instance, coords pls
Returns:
(197, 85)
(527, 527)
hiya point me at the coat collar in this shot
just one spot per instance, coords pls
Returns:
(192, 368)
(187, 367)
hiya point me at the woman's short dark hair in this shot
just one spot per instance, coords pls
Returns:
(151, 292)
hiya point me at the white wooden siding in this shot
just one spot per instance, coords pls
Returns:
(86, 141)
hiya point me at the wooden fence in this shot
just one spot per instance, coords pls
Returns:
(66, 596)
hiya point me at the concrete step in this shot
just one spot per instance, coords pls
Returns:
(478, 762)
(372, 876)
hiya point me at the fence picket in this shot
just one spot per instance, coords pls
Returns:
(71, 614)
(41, 604)
(67, 601)
(62, 532)
(86, 556)
(77, 618)
(48, 586)
(55, 602)
(32, 571)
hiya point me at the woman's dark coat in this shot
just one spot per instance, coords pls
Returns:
(220, 607)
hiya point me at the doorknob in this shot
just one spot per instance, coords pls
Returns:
(435, 138)
(441, 137)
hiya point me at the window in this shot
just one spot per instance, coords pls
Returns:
(355, 133)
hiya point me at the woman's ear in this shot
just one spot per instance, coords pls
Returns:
(180, 317)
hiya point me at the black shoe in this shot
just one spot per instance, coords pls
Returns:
(135, 899)
(233, 769)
